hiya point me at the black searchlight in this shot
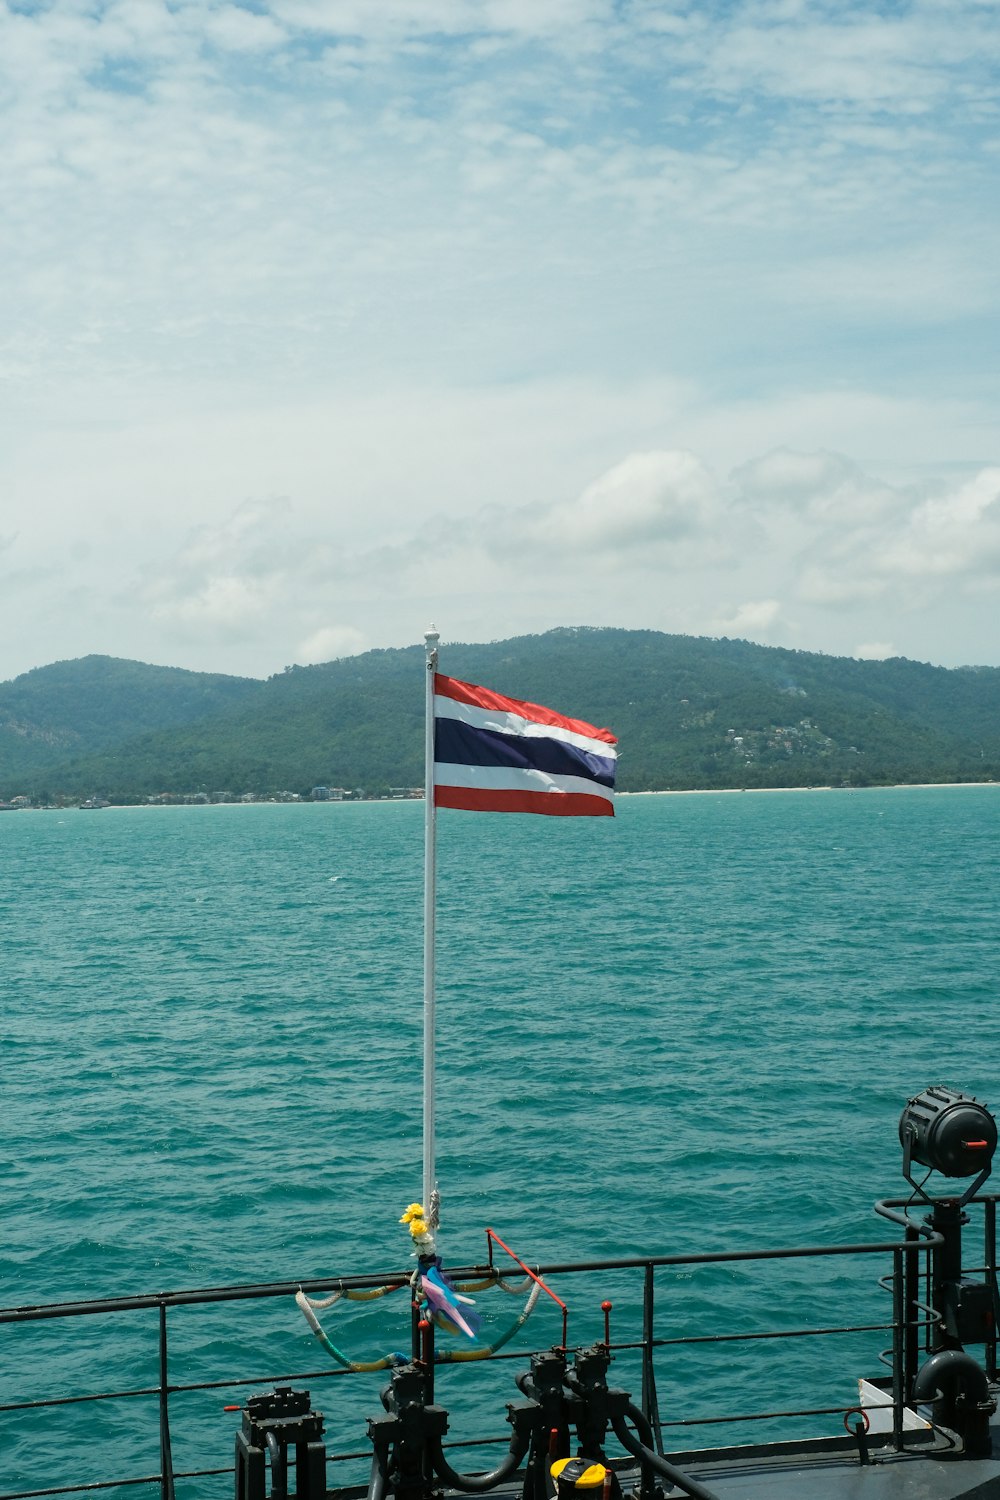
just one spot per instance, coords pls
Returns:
(949, 1132)
(953, 1134)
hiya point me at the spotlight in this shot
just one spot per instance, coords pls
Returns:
(951, 1133)
(948, 1131)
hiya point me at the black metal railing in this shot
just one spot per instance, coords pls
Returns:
(911, 1315)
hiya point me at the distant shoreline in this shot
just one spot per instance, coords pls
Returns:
(739, 791)
(694, 791)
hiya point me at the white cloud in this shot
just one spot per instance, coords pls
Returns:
(652, 499)
(754, 618)
(953, 534)
(251, 534)
(846, 58)
(225, 581)
(875, 651)
(838, 586)
(823, 485)
(223, 606)
(791, 478)
(493, 291)
(435, 18)
(921, 555)
(235, 29)
(328, 643)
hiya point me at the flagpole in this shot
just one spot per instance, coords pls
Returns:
(431, 638)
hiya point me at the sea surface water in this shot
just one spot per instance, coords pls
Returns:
(691, 1028)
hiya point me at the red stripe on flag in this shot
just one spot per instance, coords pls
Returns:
(553, 804)
(480, 697)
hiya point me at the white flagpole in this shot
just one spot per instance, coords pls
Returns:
(431, 638)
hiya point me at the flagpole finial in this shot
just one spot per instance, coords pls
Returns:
(432, 636)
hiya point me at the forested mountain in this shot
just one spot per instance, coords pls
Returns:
(73, 708)
(689, 712)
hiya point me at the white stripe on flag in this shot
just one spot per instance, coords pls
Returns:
(512, 779)
(501, 723)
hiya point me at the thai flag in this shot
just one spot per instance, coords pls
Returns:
(497, 754)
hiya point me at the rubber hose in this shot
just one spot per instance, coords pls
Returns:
(477, 1484)
(646, 1456)
(640, 1423)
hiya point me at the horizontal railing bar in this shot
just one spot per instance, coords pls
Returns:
(332, 1458)
(227, 1385)
(250, 1291)
(87, 1489)
(907, 1202)
(722, 1257)
(758, 1416)
(818, 1411)
(154, 1390)
(736, 1338)
(246, 1292)
(241, 1292)
(313, 1375)
(75, 1400)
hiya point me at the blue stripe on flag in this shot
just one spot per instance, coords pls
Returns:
(460, 744)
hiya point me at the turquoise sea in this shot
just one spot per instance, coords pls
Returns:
(687, 1028)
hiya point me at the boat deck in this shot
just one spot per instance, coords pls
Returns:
(826, 1469)
(832, 1471)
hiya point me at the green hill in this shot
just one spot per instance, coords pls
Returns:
(689, 712)
(77, 707)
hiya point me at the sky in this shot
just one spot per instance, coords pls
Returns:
(324, 320)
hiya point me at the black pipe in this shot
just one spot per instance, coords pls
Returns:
(641, 1424)
(279, 1467)
(956, 1387)
(376, 1483)
(477, 1484)
(652, 1460)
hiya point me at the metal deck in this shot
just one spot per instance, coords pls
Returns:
(822, 1471)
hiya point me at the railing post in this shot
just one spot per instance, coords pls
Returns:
(898, 1343)
(990, 1228)
(166, 1456)
(911, 1344)
(650, 1405)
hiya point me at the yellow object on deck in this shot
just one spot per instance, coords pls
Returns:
(578, 1476)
